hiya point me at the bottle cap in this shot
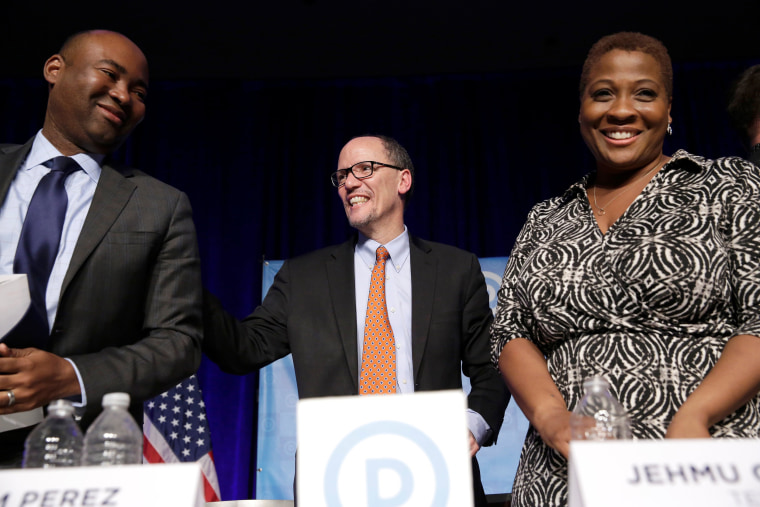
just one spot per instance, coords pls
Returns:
(116, 400)
(64, 406)
(596, 383)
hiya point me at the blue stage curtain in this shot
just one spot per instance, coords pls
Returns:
(255, 159)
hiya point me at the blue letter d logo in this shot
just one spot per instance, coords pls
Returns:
(374, 467)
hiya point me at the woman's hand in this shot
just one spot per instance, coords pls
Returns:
(732, 382)
(685, 426)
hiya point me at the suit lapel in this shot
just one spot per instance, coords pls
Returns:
(10, 160)
(111, 196)
(340, 276)
(423, 267)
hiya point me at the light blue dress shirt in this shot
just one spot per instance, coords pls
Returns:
(398, 297)
(80, 188)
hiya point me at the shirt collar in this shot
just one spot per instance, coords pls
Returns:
(681, 159)
(43, 150)
(398, 247)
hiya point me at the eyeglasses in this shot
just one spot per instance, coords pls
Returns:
(360, 170)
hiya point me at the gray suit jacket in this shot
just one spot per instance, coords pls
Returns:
(310, 312)
(129, 314)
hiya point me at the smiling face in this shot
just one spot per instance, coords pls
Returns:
(98, 86)
(625, 111)
(373, 205)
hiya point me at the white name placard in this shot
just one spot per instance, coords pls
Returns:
(400, 450)
(177, 485)
(699, 472)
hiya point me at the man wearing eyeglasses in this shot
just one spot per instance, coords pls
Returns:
(316, 309)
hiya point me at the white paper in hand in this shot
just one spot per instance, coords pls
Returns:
(14, 301)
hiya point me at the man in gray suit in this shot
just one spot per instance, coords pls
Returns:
(121, 308)
(437, 304)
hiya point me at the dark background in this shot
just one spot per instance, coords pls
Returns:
(373, 38)
(250, 104)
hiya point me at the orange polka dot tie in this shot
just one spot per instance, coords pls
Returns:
(378, 375)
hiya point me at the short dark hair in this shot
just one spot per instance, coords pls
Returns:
(744, 101)
(629, 41)
(398, 156)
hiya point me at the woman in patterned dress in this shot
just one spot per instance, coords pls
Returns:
(647, 271)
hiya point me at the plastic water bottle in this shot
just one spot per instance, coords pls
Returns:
(114, 438)
(56, 441)
(599, 416)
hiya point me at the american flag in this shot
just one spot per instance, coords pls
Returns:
(175, 430)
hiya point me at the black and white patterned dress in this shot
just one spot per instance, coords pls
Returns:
(649, 305)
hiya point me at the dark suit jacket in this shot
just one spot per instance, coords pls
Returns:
(129, 314)
(310, 312)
